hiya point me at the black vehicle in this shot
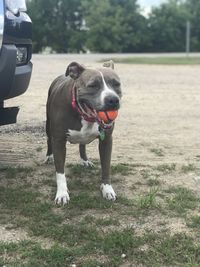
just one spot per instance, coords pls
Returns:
(15, 55)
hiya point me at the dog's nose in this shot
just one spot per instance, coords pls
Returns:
(112, 102)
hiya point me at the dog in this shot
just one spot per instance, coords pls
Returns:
(73, 103)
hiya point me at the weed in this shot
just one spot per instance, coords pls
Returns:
(182, 199)
(195, 222)
(157, 151)
(145, 173)
(176, 250)
(39, 149)
(119, 242)
(34, 255)
(153, 182)
(166, 168)
(148, 201)
(188, 168)
(80, 171)
(17, 172)
(84, 201)
(121, 168)
(107, 222)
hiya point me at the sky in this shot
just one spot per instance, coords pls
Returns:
(147, 4)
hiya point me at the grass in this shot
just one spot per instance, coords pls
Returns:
(91, 231)
(188, 168)
(121, 168)
(153, 182)
(166, 168)
(15, 172)
(195, 222)
(157, 60)
(157, 151)
(149, 200)
(182, 199)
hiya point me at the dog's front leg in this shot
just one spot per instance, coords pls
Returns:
(84, 159)
(59, 153)
(105, 151)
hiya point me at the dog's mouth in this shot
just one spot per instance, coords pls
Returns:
(91, 114)
(88, 113)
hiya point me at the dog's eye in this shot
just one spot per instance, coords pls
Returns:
(115, 83)
(93, 85)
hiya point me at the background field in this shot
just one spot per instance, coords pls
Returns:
(156, 169)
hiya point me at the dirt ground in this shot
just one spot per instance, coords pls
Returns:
(160, 110)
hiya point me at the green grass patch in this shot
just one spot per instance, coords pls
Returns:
(31, 254)
(175, 250)
(188, 168)
(166, 168)
(158, 60)
(91, 231)
(79, 171)
(107, 222)
(157, 151)
(181, 200)
(121, 168)
(17, 172)
(153, 182)
(146, 173)
(119, 242)
(30, 211)
(195, 222)
(84, 201)
(149, 249)
(148, 201)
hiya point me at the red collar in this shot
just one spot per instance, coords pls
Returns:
(76, 105)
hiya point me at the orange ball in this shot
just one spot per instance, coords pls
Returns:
(108, 116)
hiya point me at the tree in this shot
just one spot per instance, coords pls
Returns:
(57, 24)
(167, 25)
(193, 6)
(114, 26)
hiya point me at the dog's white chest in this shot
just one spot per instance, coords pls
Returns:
(89, 131)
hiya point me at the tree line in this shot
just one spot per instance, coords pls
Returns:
(109, 26)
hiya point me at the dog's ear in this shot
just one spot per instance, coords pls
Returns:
(109, 64)
(74, 70)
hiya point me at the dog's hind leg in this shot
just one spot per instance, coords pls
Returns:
(84, 159)
(49, 155)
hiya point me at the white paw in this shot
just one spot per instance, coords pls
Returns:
(108, 192)
(87, 163)
(62, 195)
(49, 159)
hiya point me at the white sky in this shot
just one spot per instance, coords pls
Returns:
(147, 4)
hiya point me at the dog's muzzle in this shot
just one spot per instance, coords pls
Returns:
(90, 114)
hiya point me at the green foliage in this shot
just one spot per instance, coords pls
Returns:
(148, 201)
(57, 24)
(182, 200)
(193, 7)
(166, 168)
(167, 26)
(113, 26)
